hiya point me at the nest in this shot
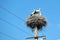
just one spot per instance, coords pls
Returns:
(36, 21)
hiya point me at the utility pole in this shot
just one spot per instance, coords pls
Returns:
(36, 21)
(36, 33)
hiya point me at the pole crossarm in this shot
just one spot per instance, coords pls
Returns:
(44, 37)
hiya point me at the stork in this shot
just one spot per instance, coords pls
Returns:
(36, 12)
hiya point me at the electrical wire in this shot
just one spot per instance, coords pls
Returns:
(12, 13)
(15, 26)
(8, 35)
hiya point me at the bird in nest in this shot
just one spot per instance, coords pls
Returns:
(36, 20)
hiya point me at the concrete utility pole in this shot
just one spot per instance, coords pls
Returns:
(36, 21)
(36, 33)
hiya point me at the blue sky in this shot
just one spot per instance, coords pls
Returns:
(13, 14)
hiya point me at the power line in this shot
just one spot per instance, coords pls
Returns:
(15, 26)
(12, 13)
(8, 35)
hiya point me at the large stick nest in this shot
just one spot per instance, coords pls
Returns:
(36, 21)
